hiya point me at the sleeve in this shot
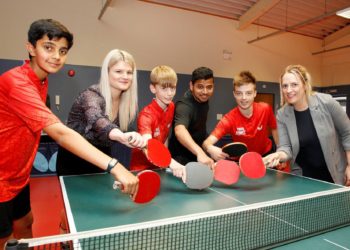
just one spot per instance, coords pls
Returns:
(340, 119)
(183, 114)
(284, 140)
(94, 107)
(144, 122)
(25, 101)
(222, 128)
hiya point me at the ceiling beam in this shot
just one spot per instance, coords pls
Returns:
(256, 11)
(337, 35)
(298, 25)
(328, 50)
(104, 7)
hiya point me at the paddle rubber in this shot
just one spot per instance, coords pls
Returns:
(235, 149)
(226, 172)
(158, 154)
(149, 186)
(198, 175)
(252, 165)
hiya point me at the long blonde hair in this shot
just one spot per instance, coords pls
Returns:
(128, 100)
(301, 73)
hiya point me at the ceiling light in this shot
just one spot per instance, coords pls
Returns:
(344, 13)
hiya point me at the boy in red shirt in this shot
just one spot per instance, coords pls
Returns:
(249, 122)
(23, 115)
(154, 120)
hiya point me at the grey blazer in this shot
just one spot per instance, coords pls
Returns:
(333, 130)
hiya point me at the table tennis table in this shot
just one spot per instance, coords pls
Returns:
(92, 205)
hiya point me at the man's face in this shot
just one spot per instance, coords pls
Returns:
(202, 89)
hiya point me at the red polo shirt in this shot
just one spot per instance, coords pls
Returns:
(155, 121)
(23, 114)
(253, 131)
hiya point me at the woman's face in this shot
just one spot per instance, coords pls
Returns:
(293, 90)
(120, 76)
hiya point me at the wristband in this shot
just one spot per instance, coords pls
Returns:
(112, 163)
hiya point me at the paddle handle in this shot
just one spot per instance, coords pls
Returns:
(117, 185)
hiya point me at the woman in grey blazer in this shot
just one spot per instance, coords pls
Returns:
(313, 129)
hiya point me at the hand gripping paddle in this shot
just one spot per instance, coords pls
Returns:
(252, 165)
(149, 185)
(226, 172)
(235, 149)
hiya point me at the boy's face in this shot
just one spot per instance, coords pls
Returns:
(164, 94)
(120, 76)
(202, 89)
(245, 95)
(48, 56)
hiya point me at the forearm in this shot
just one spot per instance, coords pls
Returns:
(187, 141)
(115, 134)
(75, 143)
(348, 156)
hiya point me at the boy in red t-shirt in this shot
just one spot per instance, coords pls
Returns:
(23, 115)
(250, 122)
(154, 120)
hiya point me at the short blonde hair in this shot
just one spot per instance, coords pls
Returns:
(244, 77)
(128, 101)
(300, 73)
(163, 75)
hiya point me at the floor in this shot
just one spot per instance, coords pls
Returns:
(47, 204)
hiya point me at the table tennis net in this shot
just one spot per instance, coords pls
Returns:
(258, 226)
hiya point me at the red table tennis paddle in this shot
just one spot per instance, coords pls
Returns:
(252, 165)
(226, 172)
(149, 186)
(235, 149)
(157, 153)
(197, 175)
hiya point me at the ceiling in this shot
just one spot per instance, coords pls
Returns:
(314, 18)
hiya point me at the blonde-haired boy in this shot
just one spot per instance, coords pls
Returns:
(154, 120)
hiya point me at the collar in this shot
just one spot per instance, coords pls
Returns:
(31, 74)
(312, 101)
(157, 106)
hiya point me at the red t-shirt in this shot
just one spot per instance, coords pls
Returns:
(23, 114)
(155, 121)
(253, 131)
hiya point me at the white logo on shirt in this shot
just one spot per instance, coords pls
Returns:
(240, 131)
(156, 133)
(260, 127)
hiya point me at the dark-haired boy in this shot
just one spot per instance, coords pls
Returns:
(23, 115)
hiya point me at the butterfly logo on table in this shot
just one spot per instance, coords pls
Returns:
(41, 164)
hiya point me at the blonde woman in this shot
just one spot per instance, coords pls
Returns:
(103, 112)
(313, 129)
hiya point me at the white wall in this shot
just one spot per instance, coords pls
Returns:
(157, 34)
